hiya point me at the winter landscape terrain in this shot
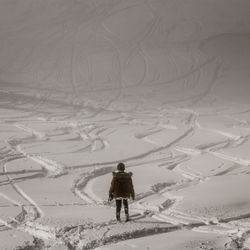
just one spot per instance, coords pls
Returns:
(162, 85)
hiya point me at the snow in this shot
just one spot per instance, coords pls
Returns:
(182, 239)
(160, 85)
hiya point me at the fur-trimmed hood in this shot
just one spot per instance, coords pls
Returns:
(117, 173)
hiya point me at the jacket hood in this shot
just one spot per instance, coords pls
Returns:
(117, 173)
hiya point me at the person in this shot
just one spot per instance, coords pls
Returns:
(121, 189)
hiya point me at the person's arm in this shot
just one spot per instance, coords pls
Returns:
(111, 189)
(132, 191)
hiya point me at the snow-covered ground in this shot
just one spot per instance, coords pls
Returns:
(162, 85)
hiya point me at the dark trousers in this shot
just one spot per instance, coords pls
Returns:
(119, 206)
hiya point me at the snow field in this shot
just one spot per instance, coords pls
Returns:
(160, 85)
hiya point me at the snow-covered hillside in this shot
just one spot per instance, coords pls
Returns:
(162, 85)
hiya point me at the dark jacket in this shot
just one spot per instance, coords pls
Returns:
(122, 186)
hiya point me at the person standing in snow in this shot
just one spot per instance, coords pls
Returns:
(121, 190)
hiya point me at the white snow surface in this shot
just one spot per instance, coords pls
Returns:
(161, 85)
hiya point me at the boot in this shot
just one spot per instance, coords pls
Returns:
(118, 218)
(127, 217)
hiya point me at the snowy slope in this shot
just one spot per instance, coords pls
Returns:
(162, 85)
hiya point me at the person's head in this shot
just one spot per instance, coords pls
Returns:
(121, 167)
